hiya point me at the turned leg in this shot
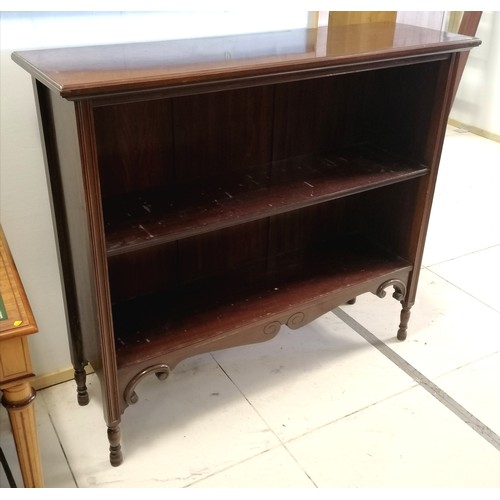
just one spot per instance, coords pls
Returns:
(403, 325)
(18, 400)
(81, 387)
(115, 449)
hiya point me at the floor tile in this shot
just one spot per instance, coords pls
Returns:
(184, 429)
(305, 378)
(55, 469)
(9, 450)
(466, 199)
(447, 329)
(271, 469)
(475, 387)
(477, 273)
(463, 203)
(408, 441)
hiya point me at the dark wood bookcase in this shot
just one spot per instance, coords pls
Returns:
(206, 192)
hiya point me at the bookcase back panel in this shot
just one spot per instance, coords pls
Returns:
(154, 145)
(221, 132)
(325, 114)
(239, 250)
(151, 270)
(134, 146)
(300, 230)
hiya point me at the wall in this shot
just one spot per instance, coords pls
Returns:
(477, 103)
(24, 203)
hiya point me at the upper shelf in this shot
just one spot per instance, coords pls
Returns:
(80, 72)
(139, 220)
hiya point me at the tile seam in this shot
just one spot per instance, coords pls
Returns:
(460, 411)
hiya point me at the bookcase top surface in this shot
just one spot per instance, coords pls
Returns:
(82, 72)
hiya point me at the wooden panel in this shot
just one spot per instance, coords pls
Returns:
(15, 360)
(70, 212)
(140, 273)
(134, 146)
(239, 249)
(317, 121)
(299, 230)
(69, 139)
(341, 18)
(427, 19)
(222, 132)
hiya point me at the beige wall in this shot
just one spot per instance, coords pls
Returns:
(477, 104)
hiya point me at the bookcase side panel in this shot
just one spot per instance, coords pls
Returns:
(66, 186)
(68, 137)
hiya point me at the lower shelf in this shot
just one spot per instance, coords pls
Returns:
(201, 317)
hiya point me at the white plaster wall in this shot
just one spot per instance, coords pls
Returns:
(24, 203)
(478, 98)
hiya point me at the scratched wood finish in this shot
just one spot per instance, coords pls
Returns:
(207, 192)
(143, 219)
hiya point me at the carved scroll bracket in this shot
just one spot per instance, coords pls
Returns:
(272, 328)
(296, 320)
(399, 289)
(161, 370)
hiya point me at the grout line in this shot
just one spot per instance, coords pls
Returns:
(281, 443)
(444, 398)
(461, 256)
(63, 450)
(462, 290)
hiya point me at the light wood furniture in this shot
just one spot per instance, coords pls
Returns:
(16, 322)
(207, 192)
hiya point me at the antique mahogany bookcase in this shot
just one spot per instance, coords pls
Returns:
(206, 192)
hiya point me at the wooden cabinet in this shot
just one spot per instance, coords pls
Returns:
(16, 323)
(207, 192)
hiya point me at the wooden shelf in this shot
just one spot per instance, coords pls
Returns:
(140, 220)
(206, 311)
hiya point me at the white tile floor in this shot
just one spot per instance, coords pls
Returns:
(336, 404)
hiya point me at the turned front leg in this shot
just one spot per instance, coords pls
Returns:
(81, 387)
(403, 325)
(115, 449)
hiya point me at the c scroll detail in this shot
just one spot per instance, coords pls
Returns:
(161, 370)
(399, 289)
